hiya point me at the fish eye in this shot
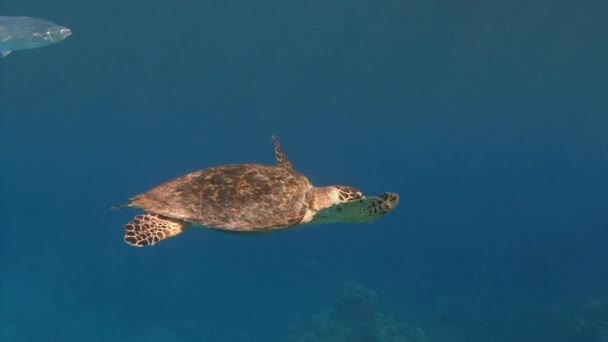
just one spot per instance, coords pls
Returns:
(64, 31)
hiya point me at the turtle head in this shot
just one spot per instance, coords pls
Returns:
(328, 196)
(347, 193)
(334, 204)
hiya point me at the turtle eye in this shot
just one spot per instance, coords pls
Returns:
(357, 195)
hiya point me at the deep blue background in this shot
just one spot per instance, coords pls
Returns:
(488, 117)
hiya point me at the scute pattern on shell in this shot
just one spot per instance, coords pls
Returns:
(243, 197)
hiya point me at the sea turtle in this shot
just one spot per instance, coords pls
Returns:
(247, 198)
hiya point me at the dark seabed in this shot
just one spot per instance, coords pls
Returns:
(489, 118)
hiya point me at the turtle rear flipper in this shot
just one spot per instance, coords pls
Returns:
(149, 229)
(358, 211)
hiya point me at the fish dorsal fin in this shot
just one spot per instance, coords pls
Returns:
(5, 53)
(282, 160)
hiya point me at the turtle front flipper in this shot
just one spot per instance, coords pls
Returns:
(282, 159)
(149, 229)
(363, 210)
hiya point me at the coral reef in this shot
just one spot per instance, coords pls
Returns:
(356, 317)
(591, 323)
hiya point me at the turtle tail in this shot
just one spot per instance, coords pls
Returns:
(122, 206)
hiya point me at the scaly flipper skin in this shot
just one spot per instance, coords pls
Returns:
(358, 211)
(282, 160)
(149, 229)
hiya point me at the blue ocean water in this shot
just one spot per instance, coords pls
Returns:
(489, 118)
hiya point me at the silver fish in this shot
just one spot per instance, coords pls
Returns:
(20, 33)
